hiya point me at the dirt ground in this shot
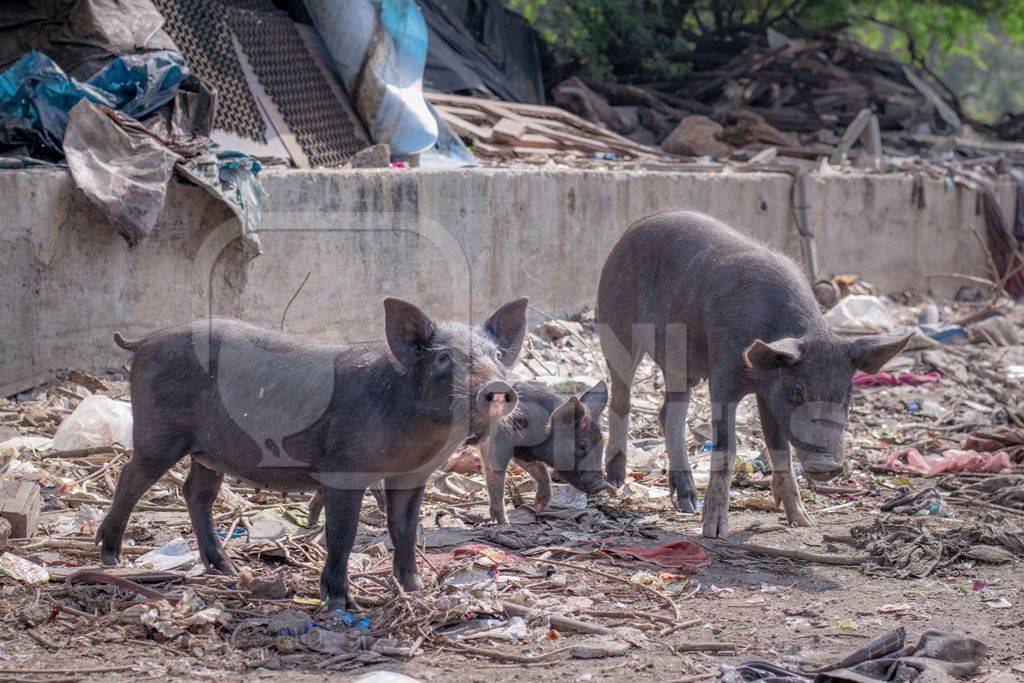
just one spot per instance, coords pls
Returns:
(666, 624)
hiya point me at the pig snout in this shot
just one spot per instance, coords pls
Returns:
(821, 466)
(587, 482)
(498, 399)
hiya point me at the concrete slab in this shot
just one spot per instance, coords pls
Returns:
(458, 242)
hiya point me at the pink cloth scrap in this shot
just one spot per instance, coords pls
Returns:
(674, 555)
(887, 379)
(910, 460)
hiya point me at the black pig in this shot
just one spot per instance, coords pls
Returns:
(705, 301)
(547, 430)
(292, 414)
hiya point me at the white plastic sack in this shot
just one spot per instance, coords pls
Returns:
(97, 421)
(171, 555)
(860, 314)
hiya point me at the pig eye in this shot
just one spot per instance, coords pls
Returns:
(795, 394)
(497, 356)
(444, 358)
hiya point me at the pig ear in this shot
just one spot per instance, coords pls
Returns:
(766, 356)
(570, 412)
(595, 399)
(870, 354)
(407, 329)
(508, 328)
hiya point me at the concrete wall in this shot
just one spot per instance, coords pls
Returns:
(457, 242)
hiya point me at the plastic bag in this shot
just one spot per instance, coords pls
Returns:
(171, 555)
(860, 313)
(97, 421)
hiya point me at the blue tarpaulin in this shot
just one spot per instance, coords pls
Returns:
(36, 96)
(120, 149)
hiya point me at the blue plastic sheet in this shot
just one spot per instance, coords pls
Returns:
(380, 49)
(36, 96)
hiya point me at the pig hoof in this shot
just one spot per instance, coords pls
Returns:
(110, 558)
(683, 491)
(616, 470)
(222, 565)
(342, 603)
(687, 503)
(716, 520)
(411, 582)
(800, 519)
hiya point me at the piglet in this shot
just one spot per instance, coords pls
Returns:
(705, 301)
(547, 430)
(292, 414)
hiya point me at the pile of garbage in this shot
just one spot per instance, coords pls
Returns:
(799, 93)
(124, 132)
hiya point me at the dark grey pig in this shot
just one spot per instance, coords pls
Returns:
(705, 301)
(291, 414)
(547, 430)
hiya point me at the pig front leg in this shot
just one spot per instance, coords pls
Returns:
(784, 486)
(540, 475)
(342, 506)
(673, 425)
(495, 455)
(723, 464)
(403, 512)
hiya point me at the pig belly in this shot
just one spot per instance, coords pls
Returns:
(270, 478)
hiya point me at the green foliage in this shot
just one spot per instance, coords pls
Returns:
(655, 39)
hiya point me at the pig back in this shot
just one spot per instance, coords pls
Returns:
(242, 394)
(686, 273)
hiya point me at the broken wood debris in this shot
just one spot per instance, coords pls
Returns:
(508, 131)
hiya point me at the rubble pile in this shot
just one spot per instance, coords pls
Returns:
(809, 95)
(620, 576)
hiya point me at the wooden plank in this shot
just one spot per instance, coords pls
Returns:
(466, 113)
(284, 132)
(465, 128)
(20, 504)
(509, 129)
(553, 119)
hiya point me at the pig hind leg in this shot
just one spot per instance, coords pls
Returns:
(622, 363)
(342, 507)
(673, 425)
(201, 489)
(403, 521)
(150, 461)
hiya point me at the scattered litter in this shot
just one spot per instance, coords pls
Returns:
(922, 502)
(599, 648)
(860, 314)
(937, 656)
(97, 421)
(21, 569)
(911, 460)
(172, 555)
(886, 379)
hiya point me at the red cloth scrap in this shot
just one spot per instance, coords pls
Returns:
(887, 379)
(674, 555)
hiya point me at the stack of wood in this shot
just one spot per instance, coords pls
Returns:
(508, 131)
(800, 92)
